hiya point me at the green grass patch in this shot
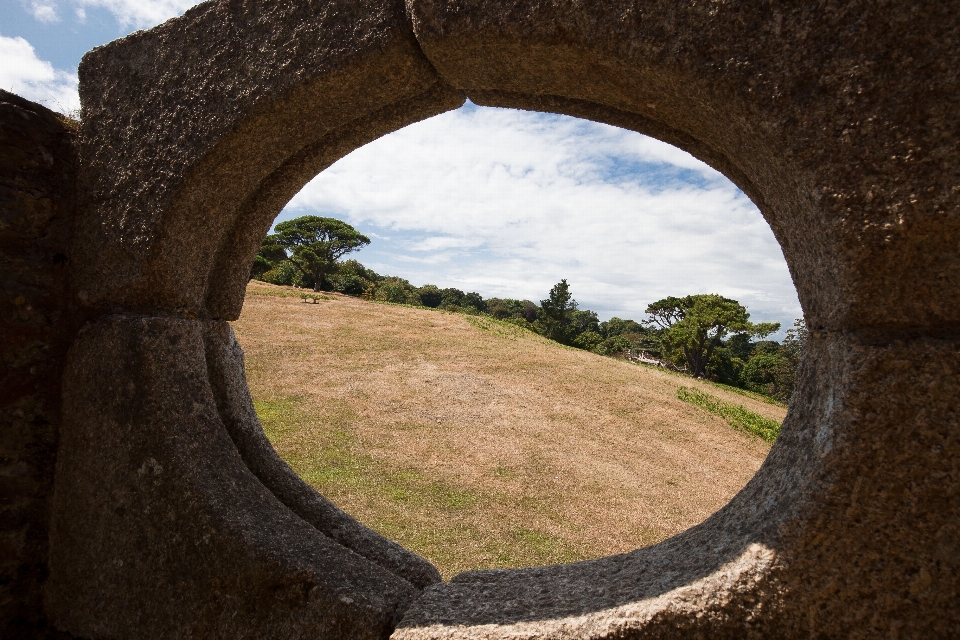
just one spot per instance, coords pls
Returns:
(504, 328)
(456, 545)
(314, 297)
(504, 472)
(278, 415)
(736, 416)
(400, 304)
(426, 514)
(546, 548)
(336, 465)
(287, 293)
(749, 394)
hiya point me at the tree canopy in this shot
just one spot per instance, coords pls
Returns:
(314, 244)
(697, 324)
(431, 296)
(269, 256)
(556, 313)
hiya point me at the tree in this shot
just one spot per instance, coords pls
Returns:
(726, 367)
(431, 296)
(556, 313)
(397, 290)
(285, 273)
(696, 325)
(740, 346)
(774, 371)
(795, 343)
(270, 255)
(613, 345)
(582, 321)
(473, 300)
(353, 279)
(770, 373)
(451, 298)
(314, 244)
(588, 341)
(618, 326)
(498, 308)
(260, 266)
(530, 311)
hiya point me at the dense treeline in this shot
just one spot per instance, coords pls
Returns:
(705, 336)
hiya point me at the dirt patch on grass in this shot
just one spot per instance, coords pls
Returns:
(477, 444)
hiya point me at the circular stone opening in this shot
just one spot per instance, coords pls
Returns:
(455, 429)
(842, 136)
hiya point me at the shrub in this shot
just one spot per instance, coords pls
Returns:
(286, 273)
(430, 296)
(530, 311)
(354, 267)
(503, 308)
(726, 368)
(397, 290)
(613, 345)
(498, 308)
(349, 284)
(619, 327)
(475, 300)
(588, 340)
(772, 374)
(260, 266)
(451, 297)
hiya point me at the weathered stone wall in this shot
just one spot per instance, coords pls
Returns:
(172, 517)
(37, 204)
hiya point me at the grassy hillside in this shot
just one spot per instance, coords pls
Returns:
(478, 444)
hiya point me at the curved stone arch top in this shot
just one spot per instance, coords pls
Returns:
(174, 517)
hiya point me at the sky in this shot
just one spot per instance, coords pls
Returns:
(499, 201)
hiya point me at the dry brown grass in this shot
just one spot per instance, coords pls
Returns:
(478, 444)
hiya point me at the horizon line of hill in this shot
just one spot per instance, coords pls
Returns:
(762, 366)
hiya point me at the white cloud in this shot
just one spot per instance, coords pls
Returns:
(81, 14)
(23, 73)
(508, 202)
(44, 11)
(141, 14)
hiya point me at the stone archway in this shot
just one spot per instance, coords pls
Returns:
(173, 516)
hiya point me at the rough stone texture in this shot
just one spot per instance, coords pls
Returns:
(173, 518)
(165, 533)
(208, 124)
(840, 120)
(37, 205)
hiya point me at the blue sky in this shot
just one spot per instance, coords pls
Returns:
(498, 201)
